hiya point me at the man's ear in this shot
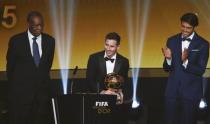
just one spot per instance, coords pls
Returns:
(118, 47)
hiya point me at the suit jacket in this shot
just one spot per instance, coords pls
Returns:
(26, 79)
(96, 72)
(186, 82)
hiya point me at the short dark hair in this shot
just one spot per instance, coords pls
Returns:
(113, 36)
(190, 18)
(33, 14)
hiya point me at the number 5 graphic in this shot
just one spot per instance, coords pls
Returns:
(8, 14)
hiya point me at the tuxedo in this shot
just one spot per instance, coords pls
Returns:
(29, 85)
(184, 85)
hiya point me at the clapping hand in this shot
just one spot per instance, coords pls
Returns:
(185, 54)
(167, 52)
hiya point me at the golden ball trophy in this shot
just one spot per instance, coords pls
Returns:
(113, 83)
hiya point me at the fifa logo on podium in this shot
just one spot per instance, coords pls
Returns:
(101, 104)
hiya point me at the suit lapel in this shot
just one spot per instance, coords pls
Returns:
(102, 64)
(117, 64)
(28, 48)
(179, 46)
(193, 42)
(44, 47)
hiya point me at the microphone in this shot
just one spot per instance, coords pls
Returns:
(74, 74)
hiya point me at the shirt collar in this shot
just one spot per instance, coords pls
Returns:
(30, 35)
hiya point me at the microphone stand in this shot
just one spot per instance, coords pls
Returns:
(72, 82)
(98, 88)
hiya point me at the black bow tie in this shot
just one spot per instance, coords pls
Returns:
(109, 59)
(187, 39)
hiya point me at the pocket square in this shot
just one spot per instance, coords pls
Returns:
(195, 50)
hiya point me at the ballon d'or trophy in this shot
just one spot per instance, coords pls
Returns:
(113, 83)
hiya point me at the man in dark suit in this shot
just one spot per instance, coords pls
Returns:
(186, 56)
(29, 60)
(108, 61)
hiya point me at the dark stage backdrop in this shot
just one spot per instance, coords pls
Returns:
(150, 91)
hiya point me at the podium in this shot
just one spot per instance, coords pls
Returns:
(84, 109)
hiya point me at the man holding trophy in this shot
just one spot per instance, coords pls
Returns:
(108, 62)
(107, 72)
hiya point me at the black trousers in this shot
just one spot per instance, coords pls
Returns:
(180, 111)
(37, 111)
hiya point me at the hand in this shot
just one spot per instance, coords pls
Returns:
(118, 93)
(108, 92)
(167, 52)
(185, 54)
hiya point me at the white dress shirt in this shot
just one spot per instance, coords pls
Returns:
(38, 41)
(109, 64)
